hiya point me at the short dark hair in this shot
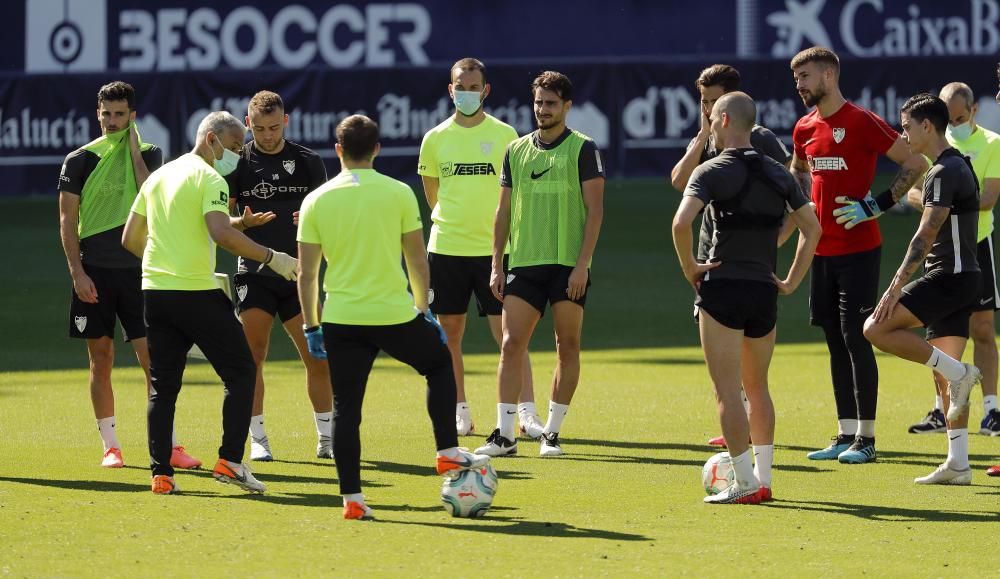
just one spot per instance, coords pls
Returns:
(117, 91)
(719, 75)
(818, 54)
(925, 106)
(357, 136)
(468, 64)
(556, 82)
(266, 102)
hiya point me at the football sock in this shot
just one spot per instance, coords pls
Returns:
(866, 428)
(743, 471)
(763, 457)
(324, 423)
(958, 449)
(257, 427)
(746, 402)
(173, 438)
(461, 406)
(945, 365)
(526, 411)
(989, 403)
(448, 452)
(939, 403)
(557, 412)
(847, 426)
(505, 419)
(355, 497)
(106, 426)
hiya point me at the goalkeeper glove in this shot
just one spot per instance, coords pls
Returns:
(857, 211)
(314, 339)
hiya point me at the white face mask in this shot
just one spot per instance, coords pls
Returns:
(468, 101)
(227, 164)
(960, 132)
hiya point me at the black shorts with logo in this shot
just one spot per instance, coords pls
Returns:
(989, 298)
(542, 284)
(456, 278)
(119, 294)
(844, 288)
(943, 301)
(751, 306)
(274, 295)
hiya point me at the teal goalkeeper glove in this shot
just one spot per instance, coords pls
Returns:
(856, 211)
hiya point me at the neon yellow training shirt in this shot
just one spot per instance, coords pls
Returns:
(983, 148)
(467, 163)
(180, 254)
(359, 218)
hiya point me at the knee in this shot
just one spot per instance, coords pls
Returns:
(102, 358)
(454, 327)
(568, 347)
(513, 345)
(982, 332)
(873, 332)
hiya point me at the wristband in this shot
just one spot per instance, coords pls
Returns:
(308, 329)
(885, 200)
(270, 256)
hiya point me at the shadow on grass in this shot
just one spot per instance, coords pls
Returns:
(79, 485)
(659, 361)
(889, 513)
(518, 526)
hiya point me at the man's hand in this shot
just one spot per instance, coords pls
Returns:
(283, 264)
(886, 305)
(432, 319)
(314, 340)
(697, 272)
(85, 288)
(133, 136)
(251, 219)
(785, 287)
(497, 283)
(295, 217)
(856, 211)
(577, 285)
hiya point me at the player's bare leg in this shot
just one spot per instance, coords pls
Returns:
(756, 359)
(101, 354)
(568, 324)
(955, 469)
(531, 424)
(454, 328)
(257, 328)
(318, 387)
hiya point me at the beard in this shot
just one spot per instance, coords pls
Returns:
(812, 98)
(546, 123)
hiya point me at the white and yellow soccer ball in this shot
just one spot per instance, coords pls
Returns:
(717, 474)
(470, 493)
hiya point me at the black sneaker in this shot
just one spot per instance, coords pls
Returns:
(990, 425)
(933, 422)
(550, 445)
(862, 450)
(497, 445)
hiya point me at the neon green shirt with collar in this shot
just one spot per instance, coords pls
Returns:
(983, 149)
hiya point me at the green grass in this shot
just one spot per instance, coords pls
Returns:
(625, 500)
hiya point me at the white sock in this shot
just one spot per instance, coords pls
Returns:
(505, 419)
(173, 438)
(746, 403)
(355, 497)
(847, 426)
(958, 449)
(448, 452)
(324, 423)
(526, 411)
(743, 471)
(106, 426)
(866, 428)
(257, 427)
(763, 457)
(557, 412)
(461, 407)
(989, 403)
(939, 403)
(945, 365)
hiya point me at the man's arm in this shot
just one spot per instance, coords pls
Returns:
(593, 202)
(788, 227)
(310, 256)
(989, 194)
(69, 233)
(931, 222)
(501, 233)
(416, 267)
(221, 230)
(135, 233)
(684, 240)
(799, 169)
(681, 172)
(806, 221)
(431, 185)
(138, 163)
(911, 168)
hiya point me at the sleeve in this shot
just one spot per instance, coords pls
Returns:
(794, 195)
(308, 232)
(798, 142)
(139, 203)
(317, 171)
(71, 177)
(214, 194)
(698, 186)
(506, 179)
(939, 189)
(427, 164)
(879, 134)
(153, 157)
(590, 164)
(411, 211)
(768, 143)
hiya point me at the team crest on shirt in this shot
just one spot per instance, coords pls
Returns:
(510, 277)
(289, 165)
(445, 169)
(486, 147)
(81, 323)
(839, 134)
(241, 292)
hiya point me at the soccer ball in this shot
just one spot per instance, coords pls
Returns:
(717, 475)
(470, 493)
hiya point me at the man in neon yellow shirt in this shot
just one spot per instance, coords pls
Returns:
(459, 163)
(361, 222)
(982, 146)
(180, 213)
(551, 208)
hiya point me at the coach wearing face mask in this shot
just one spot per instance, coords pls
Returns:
(179, 215)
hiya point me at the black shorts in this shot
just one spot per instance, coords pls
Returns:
(541, 284)
(844, 288)
(751, 306)
(456, 278)
(119, 294)
(989, 298)
(274, 295)
(943, 301)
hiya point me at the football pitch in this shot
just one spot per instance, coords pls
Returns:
(624, 501)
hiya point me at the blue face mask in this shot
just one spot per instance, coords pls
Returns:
(960, 132)
(227, 164)
(468, 101)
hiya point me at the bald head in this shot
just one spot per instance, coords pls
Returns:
(954, 90)
(739, 108)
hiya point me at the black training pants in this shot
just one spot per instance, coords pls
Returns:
(174, 321)
(351, 351)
